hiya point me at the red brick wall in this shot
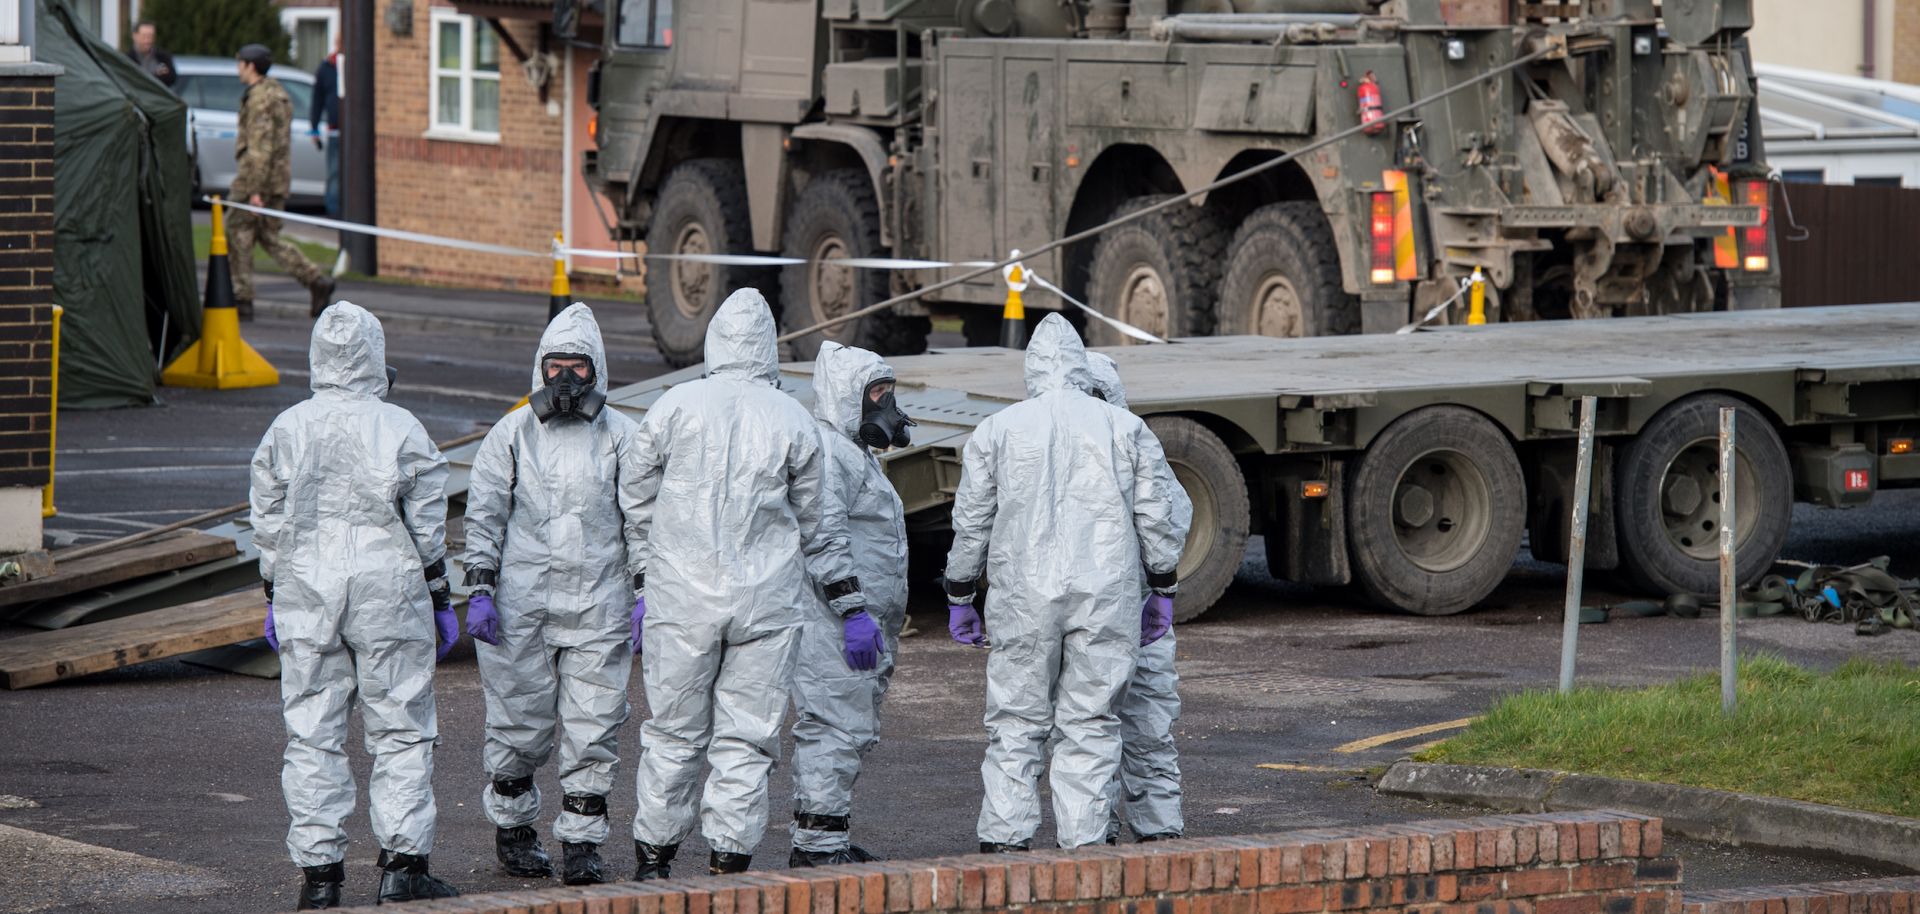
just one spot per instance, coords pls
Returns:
(1898, 895)
(503, 193)
(26, 279)
(1557, 863)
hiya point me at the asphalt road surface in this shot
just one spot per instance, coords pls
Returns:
(157, 787)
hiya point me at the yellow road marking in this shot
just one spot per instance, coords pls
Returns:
(1372, 742)
(1321, 769)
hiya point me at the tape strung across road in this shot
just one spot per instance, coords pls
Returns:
(747, 260)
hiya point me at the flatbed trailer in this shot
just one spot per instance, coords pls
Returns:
(1412, 464)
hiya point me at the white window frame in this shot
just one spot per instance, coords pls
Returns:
(463, 131)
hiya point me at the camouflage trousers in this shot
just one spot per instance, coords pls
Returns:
(244, 230)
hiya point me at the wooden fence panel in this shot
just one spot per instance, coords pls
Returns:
(1856, 244)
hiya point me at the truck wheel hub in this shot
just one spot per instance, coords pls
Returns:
(1690, 499)
(1143, 299)
(691, 279)
(832, 283)
(1276, 308)
(1442, 510)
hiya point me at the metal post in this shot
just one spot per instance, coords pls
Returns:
(1577, 544)
(1729, 604)
(357, 130)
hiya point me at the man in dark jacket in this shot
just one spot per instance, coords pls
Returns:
(323, 119)
(149, 55)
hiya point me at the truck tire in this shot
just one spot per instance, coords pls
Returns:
(1158, 273)
(1283, 276)
(836, 215)
(1435, 509)
(702, 209)
(1218, 539)
(1668, 507)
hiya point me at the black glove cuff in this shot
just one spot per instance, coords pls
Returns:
(1162, 580)
(482, 577)
(639, 582)
(435, 571)
(268, 587)
(958, 591)
(845, 587)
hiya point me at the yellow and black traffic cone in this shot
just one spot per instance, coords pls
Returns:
(220, 359)
(560, 296)
(1013, 317)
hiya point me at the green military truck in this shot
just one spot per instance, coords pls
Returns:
(1622, 174)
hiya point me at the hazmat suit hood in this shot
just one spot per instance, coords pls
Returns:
(841, 376)
(348, 352)
(740, 340)
(1106, 378)
(1056, 359)
(574, 331)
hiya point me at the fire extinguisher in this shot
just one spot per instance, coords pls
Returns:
(1372, 114)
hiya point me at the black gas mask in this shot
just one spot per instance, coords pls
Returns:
(882, 424)
(569, 390)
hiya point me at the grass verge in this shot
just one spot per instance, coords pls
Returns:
(1846, 738)
(321, 254)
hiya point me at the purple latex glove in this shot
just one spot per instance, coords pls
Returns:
(639, 620)
(447, 624)
(963, 622)
(1156, 618)
(273, 640)
(860, 637)
(483, 621)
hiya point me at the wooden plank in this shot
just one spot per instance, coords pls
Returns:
(179, 549)
(45, 657)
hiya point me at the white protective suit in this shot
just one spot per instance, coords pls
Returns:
(1063, 502)
(543, 513)
(1147, 792)
(838, 709)
(349, 506)
(733, 469)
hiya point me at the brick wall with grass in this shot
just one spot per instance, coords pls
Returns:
(503, 190)
(1898, 895)
(1555, 863)
(26, 275)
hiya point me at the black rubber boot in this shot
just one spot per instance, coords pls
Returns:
(320, 296)
(719, 863)
(1163, 836)
(243, 308)
(993, 847)
(581, 865)
(520, 852)
(404, 877)
(852, 853)
(322, 886)
(653, 861)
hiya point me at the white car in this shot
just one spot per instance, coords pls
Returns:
(211, 88)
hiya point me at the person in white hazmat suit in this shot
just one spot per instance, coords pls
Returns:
(552, 601)
(350, 518)
(1147, 792)
(732, 470)
(1063, 502)
(837, 720)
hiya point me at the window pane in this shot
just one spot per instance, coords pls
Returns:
(449, 101)
(449, 45)
(220, 93)
(486, 105)
(663, 24)
(486, 51)
(302, 95)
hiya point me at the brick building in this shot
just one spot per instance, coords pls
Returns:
(26, 283)
(469, 147)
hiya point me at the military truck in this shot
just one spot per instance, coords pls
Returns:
(1622, 174)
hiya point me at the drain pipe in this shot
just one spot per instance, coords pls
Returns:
(1867, 42)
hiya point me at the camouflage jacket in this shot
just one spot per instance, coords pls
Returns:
(261, 150)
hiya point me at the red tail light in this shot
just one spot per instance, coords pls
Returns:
(1381, 228)
(1754, 238)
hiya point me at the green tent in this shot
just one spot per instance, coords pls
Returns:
(122, 218)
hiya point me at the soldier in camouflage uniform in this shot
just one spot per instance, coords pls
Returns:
(263, 178)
